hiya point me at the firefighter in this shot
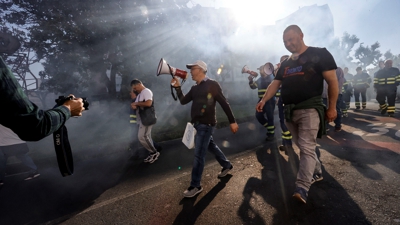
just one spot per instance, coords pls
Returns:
(347, 90)
(381, 66)
(361, 83)
(266, 117)
(286, 135)
(387, 79)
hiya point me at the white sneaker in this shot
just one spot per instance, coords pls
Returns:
(154, 157)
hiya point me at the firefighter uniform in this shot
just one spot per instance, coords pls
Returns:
(386, 82)
(360, 83)
(286, 135)
(266, 117)
(347, 91)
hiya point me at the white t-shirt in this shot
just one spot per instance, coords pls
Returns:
(143, 96)
(8, 137)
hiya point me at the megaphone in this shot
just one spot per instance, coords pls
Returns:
(165, 68)
(246, 69)
(268, 68)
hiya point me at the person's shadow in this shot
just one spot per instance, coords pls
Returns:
(327, 203)
(191, 211)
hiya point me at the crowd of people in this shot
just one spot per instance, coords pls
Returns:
(303, 113)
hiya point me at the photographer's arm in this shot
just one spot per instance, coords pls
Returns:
(25, 118)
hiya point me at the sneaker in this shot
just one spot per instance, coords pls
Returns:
(224, 172)
(300, 194)
(32, 175)
(152, 157)
(391, 114)
(345, 115)
(338, 129)
(384, 110)
(282, 148)
(316, 177)
(192, 191)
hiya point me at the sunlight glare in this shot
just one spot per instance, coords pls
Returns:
(256, 12)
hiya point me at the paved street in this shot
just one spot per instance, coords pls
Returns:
(361, 182)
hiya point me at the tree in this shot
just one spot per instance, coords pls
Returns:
(368, 55)
(342, 48)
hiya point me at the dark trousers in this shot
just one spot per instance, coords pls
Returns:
(357, 93)
(346, 100)
(286, 135)
(388, 93)
(266, 117)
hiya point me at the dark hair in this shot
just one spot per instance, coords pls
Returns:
(358, 68)
(135, 81)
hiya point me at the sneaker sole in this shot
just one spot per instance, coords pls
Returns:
(191, 196)
(153, 160)
(298, 197)
(319, 179)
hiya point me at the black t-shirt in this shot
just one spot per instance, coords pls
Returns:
(302, 78)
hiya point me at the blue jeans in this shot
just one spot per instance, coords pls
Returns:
(266, 117)
(204, 141)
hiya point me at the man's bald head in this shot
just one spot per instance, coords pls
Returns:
(294, 28)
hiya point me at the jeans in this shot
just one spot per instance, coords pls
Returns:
(266, 117)
(144, 136)
(204, 141)
(304, 128)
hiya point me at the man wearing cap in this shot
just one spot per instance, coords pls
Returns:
(204, 96)
(361, 82)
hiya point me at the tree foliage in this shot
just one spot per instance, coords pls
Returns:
(368, 55)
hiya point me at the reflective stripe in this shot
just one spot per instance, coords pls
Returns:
(132, 116)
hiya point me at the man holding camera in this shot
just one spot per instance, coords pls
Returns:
(204, 96)
(266, 116)
(304, 111)
(23, 117)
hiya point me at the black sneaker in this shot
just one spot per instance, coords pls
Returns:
(224, 172)
(300, 194)
(192, 191)
(316, 177)
(33, 175)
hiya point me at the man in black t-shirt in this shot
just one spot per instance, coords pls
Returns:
(301, 77)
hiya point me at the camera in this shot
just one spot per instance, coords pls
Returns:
(62, 99)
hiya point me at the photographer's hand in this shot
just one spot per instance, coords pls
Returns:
(75, 106)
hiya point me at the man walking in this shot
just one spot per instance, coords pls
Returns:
(144, 99)
(387, 79)
(361, 83)
(301, 77)
(204, 96)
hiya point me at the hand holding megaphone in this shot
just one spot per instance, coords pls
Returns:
(246, 69)
(175, 82)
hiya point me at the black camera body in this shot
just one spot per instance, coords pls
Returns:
(62, 99)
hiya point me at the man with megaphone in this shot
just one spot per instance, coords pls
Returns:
(266, 116)
(204, 96)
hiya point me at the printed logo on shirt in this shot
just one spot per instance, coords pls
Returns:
(296, 71)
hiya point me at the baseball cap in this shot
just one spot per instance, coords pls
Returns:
(199, 63)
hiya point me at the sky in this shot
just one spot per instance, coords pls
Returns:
(369, 20)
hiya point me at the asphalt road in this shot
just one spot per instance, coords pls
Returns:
(361, 183)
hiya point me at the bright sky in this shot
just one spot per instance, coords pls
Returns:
(369, 20)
